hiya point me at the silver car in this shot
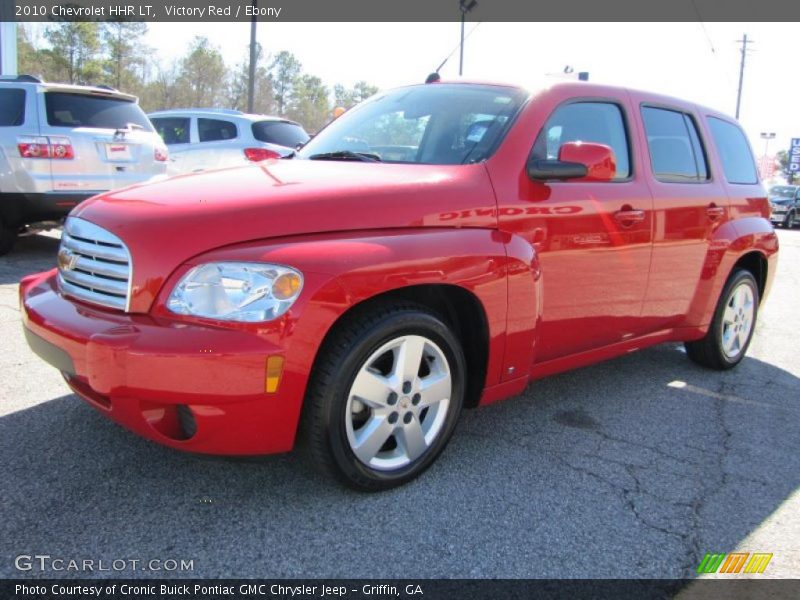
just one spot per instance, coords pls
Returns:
(61, 144)
(206, 138)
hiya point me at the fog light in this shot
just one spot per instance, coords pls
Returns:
(274, 372)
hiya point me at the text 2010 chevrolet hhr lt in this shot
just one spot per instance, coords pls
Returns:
(437, 247)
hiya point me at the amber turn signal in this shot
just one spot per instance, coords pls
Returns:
(274, 372)
(286, 286)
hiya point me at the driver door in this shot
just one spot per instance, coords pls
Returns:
(593, 238)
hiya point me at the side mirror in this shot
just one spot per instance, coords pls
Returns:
(599, 159)
(576, 160)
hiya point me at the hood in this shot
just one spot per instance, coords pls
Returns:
(166, 224)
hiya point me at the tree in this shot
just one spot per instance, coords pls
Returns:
(347, 98)
(285, 71)
(74, 51)
(125, 53)
(202, 79)
(310, 105)
(264, 98)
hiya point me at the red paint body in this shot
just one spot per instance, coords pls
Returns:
(563, 283)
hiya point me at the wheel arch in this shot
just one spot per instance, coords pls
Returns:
(458, 307)
(757, 264)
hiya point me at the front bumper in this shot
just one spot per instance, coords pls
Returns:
(778, 217)
(189, 386)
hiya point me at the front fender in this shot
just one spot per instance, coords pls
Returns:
(344, 269)
(729, 244)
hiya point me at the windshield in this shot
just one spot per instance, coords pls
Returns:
(102, 112)
(441, 124)
(782, 191)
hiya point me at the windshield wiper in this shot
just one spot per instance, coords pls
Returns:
(346, 155)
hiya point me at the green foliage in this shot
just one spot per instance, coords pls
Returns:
(115, 54)
(309, 103)
(74, 51)
(347, 98)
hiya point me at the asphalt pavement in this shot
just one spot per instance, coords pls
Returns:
(632, 468)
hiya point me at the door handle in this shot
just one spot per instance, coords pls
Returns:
(715, 212)
(628, 216)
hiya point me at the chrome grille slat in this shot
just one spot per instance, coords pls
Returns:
(114, 287)
(94, 265)
(94, 250)
(106, 269)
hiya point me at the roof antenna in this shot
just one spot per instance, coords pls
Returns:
(435, 77)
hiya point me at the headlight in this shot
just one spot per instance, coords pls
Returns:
(236, 291)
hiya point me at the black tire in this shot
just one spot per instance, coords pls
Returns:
(346, 352)
(8, 237)
(709, 351)
(790, 221)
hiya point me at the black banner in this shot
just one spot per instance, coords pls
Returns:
(425, 589)
(405, 10)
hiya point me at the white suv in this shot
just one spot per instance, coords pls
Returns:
(207, 138)
(60, 144)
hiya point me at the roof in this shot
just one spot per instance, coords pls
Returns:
(215, 112)
(89, 90)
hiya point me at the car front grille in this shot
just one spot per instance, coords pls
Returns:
(94, 265)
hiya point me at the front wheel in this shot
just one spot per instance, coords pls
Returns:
(789, 221)
(731, 331)
(385, 396)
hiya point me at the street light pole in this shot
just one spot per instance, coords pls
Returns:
(465, 6)
(251, 74)
(767, 137)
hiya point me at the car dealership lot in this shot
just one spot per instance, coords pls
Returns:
(632, 468)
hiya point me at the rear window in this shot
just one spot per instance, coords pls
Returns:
(734, 152)
(675, 149)
(280, 132)
(12, 107)
(100, 112)
(215, 130)
(173, 130)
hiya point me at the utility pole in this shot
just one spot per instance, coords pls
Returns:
(251, 75)
(744, 41)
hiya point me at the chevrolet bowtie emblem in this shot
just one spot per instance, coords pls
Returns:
(67, 259)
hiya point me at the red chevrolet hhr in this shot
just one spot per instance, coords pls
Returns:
(437, 247)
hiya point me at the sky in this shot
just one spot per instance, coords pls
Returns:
(695, 61)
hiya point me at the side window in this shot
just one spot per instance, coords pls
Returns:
(215, 130)
(734, 152)
(173, 130)
(676, 152)
(12, 107)
(597, 122)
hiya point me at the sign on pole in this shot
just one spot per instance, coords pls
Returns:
(794, 157)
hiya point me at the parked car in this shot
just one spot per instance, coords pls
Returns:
(785, 203)
(201, 139)
(364, 303)
(61, 144)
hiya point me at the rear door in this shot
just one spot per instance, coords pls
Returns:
(175, 131)
(217, 144)
(689, 204)
(112, 140)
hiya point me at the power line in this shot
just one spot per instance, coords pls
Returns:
(720, 66)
